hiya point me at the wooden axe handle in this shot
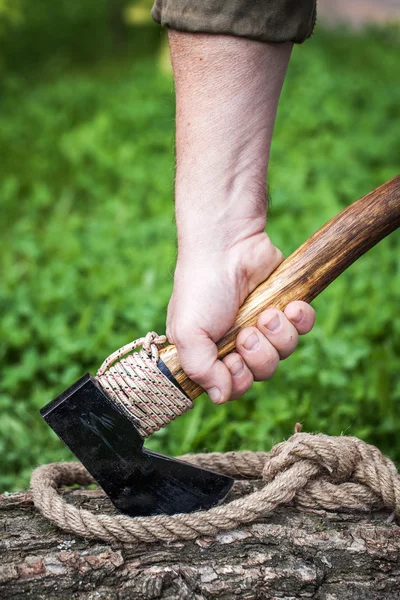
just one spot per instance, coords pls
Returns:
(311, 268)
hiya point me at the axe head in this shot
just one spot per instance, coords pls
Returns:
(139, 482)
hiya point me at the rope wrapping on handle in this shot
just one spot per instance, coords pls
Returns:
(313, 471)
(137, 386)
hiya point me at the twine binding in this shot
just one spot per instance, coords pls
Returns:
(137, 386)
(313, 471)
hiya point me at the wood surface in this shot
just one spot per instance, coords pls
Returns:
(311, 268)
(289, 555)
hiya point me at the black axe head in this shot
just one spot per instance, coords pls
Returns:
(139, 482)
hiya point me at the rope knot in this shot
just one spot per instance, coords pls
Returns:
(334, 472)
(335, 457)
(151, 344)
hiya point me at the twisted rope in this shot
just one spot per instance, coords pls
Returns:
(137, 386)
(314, 471)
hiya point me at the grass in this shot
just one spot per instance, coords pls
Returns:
(88, 245)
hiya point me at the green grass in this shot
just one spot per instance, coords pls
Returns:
(88, 246)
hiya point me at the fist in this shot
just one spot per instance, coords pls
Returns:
(208, 292)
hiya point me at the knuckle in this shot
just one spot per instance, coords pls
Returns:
(242, 387)
(307, 326)
(275, 255)
(272, 360)
(264, 375)
(195, 373)
(180, 335)
(279, 257)
(288, 346)
(169, 334)
(269, 365)
(311, 315)
(238, 393)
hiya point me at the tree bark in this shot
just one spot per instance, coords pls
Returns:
(287, 555)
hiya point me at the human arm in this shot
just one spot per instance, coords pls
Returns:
(227, 91)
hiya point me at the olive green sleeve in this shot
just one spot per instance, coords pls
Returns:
(263, 20)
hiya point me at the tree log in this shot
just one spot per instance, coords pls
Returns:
(287, 555)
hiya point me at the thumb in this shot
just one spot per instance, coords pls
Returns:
(198, 357)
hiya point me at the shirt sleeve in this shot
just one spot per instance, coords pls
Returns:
(262, 20)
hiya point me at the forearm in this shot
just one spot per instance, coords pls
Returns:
(227, 90)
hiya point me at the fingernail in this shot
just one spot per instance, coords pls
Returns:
(214, 394)
(273, 324)
(237, 368)
(252, 342)
(298, 317)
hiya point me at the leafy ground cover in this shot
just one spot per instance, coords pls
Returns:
(88, 245)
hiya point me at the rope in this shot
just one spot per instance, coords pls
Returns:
(140, 390)
(314, 471)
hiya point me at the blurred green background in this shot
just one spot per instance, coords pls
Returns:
(88, 237)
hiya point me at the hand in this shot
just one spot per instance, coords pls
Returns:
(208, 291)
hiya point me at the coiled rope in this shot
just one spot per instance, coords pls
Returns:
(138, 387)
(314, 471)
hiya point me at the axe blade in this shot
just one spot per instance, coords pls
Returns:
(139, 482)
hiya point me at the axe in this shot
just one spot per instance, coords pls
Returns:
(109, 444)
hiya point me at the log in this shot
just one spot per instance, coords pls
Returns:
(287, 555)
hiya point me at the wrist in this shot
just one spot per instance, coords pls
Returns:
(241, 267)
(212, 223)
(220, 184)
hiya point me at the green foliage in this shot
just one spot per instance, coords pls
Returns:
(62, 33)
(88, 246)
